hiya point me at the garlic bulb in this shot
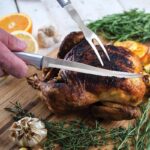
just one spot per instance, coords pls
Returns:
(50, 31)
(48, 36)
(45, 41)
(28, 132)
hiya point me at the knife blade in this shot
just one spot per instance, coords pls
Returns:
(43, 62)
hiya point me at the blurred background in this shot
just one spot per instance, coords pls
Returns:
(49, 12)
(44, 12)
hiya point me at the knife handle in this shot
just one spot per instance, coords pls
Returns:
(63, 3)
(31, 59)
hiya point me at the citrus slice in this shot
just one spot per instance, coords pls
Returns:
(32, 45)
(147, 68)
(16, 21)
(146, 59)
(137, 48)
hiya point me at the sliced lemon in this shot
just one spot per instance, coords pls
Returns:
(147, 68)
(32, 45)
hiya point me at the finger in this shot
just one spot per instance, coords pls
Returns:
(11, 63)
(11, 41)
(2, 73)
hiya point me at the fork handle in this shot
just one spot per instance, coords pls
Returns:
(63, 3)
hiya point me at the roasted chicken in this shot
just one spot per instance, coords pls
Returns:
(106, 97)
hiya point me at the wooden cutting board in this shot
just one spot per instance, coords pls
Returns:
(12, 90)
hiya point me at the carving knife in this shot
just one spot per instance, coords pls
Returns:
(40, 62)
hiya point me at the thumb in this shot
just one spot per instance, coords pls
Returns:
(10, 63)
(13, 43)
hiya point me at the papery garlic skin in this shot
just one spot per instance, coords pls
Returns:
(44, 41)
(49, 31)
(28, 131)
(47, 36)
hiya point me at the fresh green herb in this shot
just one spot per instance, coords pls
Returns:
(18, 112)
(79, 136)
(130, 25)
(76, 135)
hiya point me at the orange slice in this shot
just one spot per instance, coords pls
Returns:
(136, 47)
(146, 59)
(147, 68)
(16, 21)
(32, 45)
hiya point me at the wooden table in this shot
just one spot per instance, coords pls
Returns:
(48, 12)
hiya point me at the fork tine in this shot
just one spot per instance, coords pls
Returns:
(96, 52)
(102, 46)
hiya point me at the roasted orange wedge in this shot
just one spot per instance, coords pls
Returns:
(137, 48)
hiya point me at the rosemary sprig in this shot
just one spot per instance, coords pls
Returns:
(18, 112)
(76, 135)
(130, 25)
(143, 124)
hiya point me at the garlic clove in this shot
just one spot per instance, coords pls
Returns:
(49, 30)
(48, 36)
(41, 132)
(32, 142)
(22, 142)
(44, 41)
(37, 124)
(38, 138)
(57, 38)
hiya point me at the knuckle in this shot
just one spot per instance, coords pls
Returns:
(3, 55)
(12, 41)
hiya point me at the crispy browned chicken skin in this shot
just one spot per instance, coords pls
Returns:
(106, 97)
